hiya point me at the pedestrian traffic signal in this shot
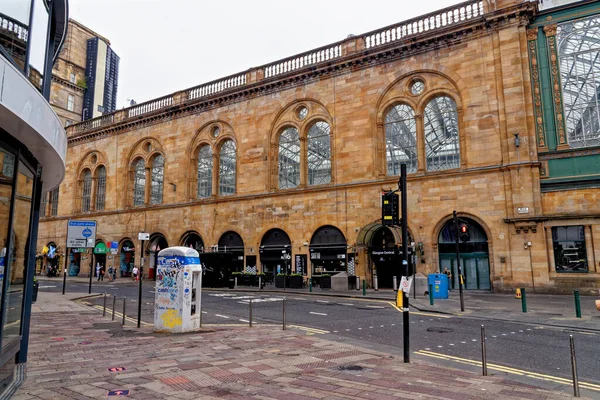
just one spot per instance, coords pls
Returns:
(389, 209)
(464, 233)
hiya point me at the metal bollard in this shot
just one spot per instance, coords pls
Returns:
(483, 352)
(284, 313)
(375, 283)
(523, 300)
(310, 285)
(430, 295)
(235, 282)
(577, 304)
(259, 282)
(364, 287)
(104, 307)
(114, 304)
(124, 301)
(358, 283)
(395, 283)
(250, 313)
(574, 367)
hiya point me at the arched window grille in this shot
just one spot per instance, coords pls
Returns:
(205, 167)
(289, 159)
(158, 174)
(401, 139)
(86, 190)
(442, 148)
(319, 154)
(139, 183)
(227, 168)
(100, 187)
(579, 55)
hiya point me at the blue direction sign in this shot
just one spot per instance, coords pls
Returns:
(81, 234)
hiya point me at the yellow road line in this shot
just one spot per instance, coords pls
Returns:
(421, 313)
(309, 329)
(509, 370)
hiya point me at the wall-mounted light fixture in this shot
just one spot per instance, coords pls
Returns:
(174, 186)
(517, 140)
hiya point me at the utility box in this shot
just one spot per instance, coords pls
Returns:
(178, 290)
(439, 285)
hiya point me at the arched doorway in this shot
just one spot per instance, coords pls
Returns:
(474, 255)
(51, 259)
(275, 254)
(384, 245)
(126, 258)
(193, 240)
(156, 243)
(226, 257)
(231, 246)
(328, 248)
(100, 251)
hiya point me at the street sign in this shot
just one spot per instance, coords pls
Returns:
(143, 236)
(406, 283)
(81, 234)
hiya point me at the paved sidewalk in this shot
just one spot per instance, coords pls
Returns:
(72, 347)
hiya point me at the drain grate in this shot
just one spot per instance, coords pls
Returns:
(436, 329)
(350, 368)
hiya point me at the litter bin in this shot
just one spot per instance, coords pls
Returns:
(439, 284)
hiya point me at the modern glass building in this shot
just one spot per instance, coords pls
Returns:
(32, 159)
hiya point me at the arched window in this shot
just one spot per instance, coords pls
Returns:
(227, 169)
(319, 154)
(289, 159)
(205, 166)
(86, 190)
(139, 183)
(401, 139)
(158, 174)
(578, 51)
(441, 134)
(100, 187)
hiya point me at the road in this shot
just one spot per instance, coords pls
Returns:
(377, 325)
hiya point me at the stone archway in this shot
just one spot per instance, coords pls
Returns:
(156, 243)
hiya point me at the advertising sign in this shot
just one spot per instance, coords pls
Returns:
(81, 234)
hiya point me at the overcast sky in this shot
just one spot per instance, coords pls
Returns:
(170, 45)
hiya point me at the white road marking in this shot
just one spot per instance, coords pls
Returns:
(427, 348)
(521, 331)
(204, 312)
(334, 331)
(451, 344)
(473, 340)
(42, 287)
(378, 307)
(151, 291)
(393, 324)
(370, 327)
(243, 320)
(381, 326)
(242, 297)
(345, 304)
(298, 298)
(494, 336)
(347, 330)
(221, 316)
(463, 342)
(439, 347)
(316, 313)
(360, 329)
(322, 301)
(504, 334)
(512, 333)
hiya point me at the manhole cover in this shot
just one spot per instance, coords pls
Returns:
(350, 368)
(439, 330)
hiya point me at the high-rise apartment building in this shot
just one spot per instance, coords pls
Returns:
(84, 78)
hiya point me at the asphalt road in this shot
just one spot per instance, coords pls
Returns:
(378, 325)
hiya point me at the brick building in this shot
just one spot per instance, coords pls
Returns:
(281, 168)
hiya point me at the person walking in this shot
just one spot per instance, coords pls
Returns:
(98, 270)
(134, 273)
(102, 271)
(110, 273)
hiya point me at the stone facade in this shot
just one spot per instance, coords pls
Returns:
(481, 64)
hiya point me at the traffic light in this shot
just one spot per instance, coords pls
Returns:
(389, 209)
(464, 232)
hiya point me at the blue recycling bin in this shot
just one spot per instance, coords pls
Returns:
(439, 285)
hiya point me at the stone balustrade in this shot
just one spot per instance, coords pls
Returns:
(14, 27)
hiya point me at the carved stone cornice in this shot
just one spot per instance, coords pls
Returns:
(550, 30)
(532, 34)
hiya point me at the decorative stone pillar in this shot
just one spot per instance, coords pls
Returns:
(420, 144)
(215, 175)
(148, 185)
(557, 100)
(589, 248)
(93, 191)
(380, 148)
(538, 113)
(303, 162)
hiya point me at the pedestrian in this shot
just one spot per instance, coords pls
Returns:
(114, 273)
(98, 270)
(449, 275)
(102, 270)
(134, 273)
(110, 273)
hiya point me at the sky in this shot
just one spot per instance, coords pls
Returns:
(170, 45)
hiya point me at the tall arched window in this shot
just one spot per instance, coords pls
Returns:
(100, 187)
(205, 166)
(86, 190)
(139, 183)
(289, 159)
(158, 174)
(227, 168)
(579, 54)
(401, 139)
(442, 148)
(319, 154)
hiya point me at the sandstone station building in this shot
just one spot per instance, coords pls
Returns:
(493, 106)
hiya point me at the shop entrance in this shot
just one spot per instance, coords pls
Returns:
(156, 244)
(328, 248)
(100, 256)
(474, 256)
(275, 254)
(127, 258)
